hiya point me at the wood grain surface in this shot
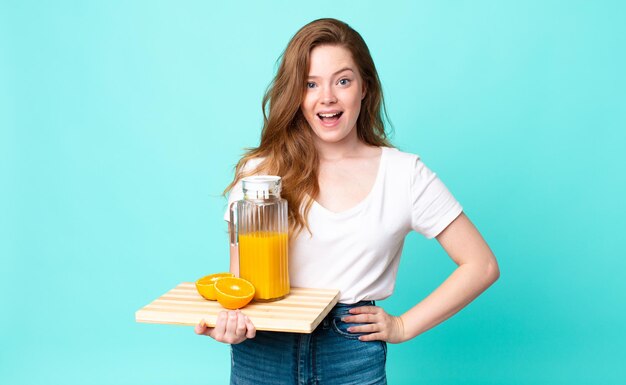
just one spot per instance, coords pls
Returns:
(300, 311)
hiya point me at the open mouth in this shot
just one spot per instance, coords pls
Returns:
(329, 118)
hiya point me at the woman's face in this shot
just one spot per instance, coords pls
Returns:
(332, 100)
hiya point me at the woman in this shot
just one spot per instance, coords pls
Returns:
(352, 201)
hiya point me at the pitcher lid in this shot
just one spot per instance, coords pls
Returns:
(261, 186)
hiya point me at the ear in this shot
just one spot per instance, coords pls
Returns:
(363, 91)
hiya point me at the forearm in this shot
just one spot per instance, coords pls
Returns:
(234, 251)
(234, 260)
(458, 290)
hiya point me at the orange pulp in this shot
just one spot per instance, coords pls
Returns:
(263, 261)
(206, 285)
(233, 293)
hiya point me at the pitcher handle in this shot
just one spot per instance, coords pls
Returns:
(232, 225)
(233, 233)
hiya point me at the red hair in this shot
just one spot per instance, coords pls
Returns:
(286, 144)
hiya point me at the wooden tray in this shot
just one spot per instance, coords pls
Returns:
(300, 311)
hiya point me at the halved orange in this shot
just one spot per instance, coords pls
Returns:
(206, 285)
(233, 293)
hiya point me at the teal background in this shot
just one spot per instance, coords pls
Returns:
(120, 122)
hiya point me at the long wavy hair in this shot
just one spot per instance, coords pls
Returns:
(286, 147)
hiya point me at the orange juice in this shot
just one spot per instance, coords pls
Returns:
(263, 261)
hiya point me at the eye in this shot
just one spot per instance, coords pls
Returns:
(344, 82)
(310, 85)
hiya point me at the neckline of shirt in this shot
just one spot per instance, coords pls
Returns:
(356, 208)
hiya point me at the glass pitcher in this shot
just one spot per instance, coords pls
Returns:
(259, 229)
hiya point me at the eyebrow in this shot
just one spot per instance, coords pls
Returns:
(337, 72)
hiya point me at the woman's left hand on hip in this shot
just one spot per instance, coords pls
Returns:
(377, 323)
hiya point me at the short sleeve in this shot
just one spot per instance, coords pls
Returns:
(236, 193)
(433, 206)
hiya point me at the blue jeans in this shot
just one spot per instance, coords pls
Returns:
(330, 355)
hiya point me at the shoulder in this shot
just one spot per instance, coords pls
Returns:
(397, 160)
(408, 168)
(398, 155)
(253, 162)
(251, 165)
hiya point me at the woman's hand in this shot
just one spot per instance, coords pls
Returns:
(376, 322)
(232, 327)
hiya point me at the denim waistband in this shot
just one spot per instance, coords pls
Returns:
(343, 308)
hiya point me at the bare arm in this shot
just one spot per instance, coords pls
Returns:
(234, 259)
(234, 250)
(477, 270)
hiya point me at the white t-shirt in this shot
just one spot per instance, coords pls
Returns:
(358, 250)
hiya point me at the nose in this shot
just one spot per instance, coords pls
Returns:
(328, 96)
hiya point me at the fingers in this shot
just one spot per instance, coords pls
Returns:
(363, 314)
(220, 327)
(373, 337)
(378, 325)
(361, 318)
(365, 310)
(231, 327)
(251, 330)
(241, 325)
(239, 328)
(201, 327)
(367, 328)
